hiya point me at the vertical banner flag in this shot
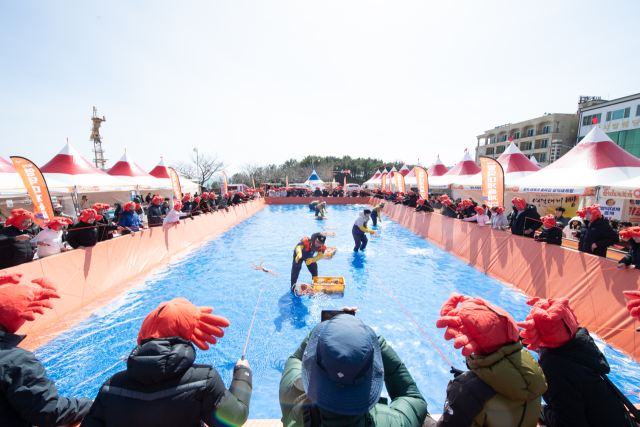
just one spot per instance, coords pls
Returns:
(399, 181)
(175, 183)
(36, 187)
(492, 182)
(383, 183)
(287, 182)
(345, 182)
(422, 178)
(224, 175)
(254, 182)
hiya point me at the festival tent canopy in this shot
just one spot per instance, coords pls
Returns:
(404, 170)
(314, 180)
(11, 184)
(437, 169)
(127, 170)
(375, 179)
(535, 161)
(410, 178)
(595, 161)
(162, 173)
(69, 167)
(464, 169)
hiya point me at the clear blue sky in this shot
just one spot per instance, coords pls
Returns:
(264, 81)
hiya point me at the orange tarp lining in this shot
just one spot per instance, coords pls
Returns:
(307, 200)
(84, 275)
(593, 284)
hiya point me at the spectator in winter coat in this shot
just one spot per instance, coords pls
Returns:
(498, 220)
(106, 228)
(162, 385)
(632, 235)
(129, 220)
(504, 384)
(175, 215)
(574, 368)
(561, 221)
(423, 205)
(186, 203)
(525, 219)
(575, 224)
(597, 235)
(154, 212)
(165, 207)
(148, 199)
(84, 203)
(57, 211)
(325, 192)
(49, 240)
(138, 205)
(480, 217)
(15, 241)
(84, 234)
(623, 243)
(336, 376)
(411, 199)
(551, 233)
(27, 396)
(117, 210)
(448, 208)
(204, 206)
(317, 192)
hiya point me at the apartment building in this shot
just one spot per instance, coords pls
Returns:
(547, 138)
(618, 118)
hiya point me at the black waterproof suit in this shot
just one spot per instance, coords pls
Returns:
(599, 232)
(82, 234)
(551, 235)
(104, 226)
(528, 219)
(13, 252)
(633, 257)
(163, 387)
(154, 215)
(577, 394)
(27, 396)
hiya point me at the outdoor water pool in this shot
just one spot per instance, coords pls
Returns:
(219, 275)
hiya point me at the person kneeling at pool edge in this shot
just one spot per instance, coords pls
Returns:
(162, 385)
(359, 229)
(306, 251)
(336, 376)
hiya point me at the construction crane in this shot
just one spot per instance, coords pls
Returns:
(99, 159)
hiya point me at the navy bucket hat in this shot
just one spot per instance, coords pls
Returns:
(342, 368)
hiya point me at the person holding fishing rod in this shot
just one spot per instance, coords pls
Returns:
(310, 250)
(162, 386)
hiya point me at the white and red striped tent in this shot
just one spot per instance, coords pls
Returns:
(11, 184)
(437, 169)
(162, 173)
(410, 178)
(404, 170)
(374, 180)
(535, 161)
(595, 161)
(127, 170)
(464, 169)
(69, 167)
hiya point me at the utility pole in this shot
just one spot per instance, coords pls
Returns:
(99, 159)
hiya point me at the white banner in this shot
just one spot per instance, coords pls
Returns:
(611, 208)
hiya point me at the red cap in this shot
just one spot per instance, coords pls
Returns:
(550, 323)
(129, 205)
(18, 216)
(630, 232)
(197, 199)
(476, 325)
(19, 303)
(98, 206)
(634, 305)
(549, 221)
(157, 199)
(420, 202)
(90, 213)
(519, 203)
(410, 193)
(57, 221)
(187, 197)
(480, 210)
(180, 318)
(594, 210)
(500, 209)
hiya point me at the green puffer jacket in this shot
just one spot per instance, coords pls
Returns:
(407, 409)
(496, 390)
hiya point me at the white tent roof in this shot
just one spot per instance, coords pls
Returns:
(11, 184)
(464, 169)
(534, 160)
(595, 161)
(314, 180)
(410, 178)
(70, 168)
(127, 170)
(375, 179)
(162, 174)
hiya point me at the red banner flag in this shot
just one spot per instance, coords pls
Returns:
(422, 177)
(224, 188)
(492, 182)
(175, 183)
(36, 187)
(383, 181)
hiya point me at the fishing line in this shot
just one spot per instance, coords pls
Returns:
(251, 326)
(425, 334)
(438, 270)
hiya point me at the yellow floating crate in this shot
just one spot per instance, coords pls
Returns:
(329, 252)
(328, 285)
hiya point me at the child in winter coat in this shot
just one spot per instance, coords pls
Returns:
(550, 234)
(498, 220)
(480, 217)
(129, 219)
(175, 214)
(49, 240)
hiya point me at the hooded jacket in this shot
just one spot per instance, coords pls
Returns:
(52, 238)
(496, 391)
(162, 386)
(599, 232)
(154, 215)
(406, 409)
(27, 396)
(82, 234)
(633, 257)
(528, 219)
(577, 394)
(552, 235)
(12, 251)
(130, 220)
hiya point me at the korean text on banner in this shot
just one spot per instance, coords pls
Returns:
(399, 181)
(36, 187)
(224, 189)
(422, 178)
(383, 182)
(492, 182)
(175, 184)
(253, 181)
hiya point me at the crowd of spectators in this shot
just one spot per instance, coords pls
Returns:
(338, 191)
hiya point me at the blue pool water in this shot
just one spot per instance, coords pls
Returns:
(219, 275)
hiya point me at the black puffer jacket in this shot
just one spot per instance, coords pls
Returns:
(163, 387)
(529, 219)
(577, 395)
(154, 215)
(104, 226)
(82, 234)
(27, 396)
(551, 235)
(13, 252)
(633, 257)
(599, 232)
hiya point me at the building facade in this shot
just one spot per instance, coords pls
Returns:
(618, 118)
(547, 138)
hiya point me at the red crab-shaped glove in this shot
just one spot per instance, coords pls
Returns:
(550, 323)
(19, 303)
(634, 305)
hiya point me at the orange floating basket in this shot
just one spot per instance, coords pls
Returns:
(329, 252)
(328, 285)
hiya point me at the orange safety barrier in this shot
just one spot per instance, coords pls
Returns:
(593, 284)
(85, 275)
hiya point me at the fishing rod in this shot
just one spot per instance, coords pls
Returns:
(251, 326)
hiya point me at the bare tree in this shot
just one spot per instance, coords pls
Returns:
(201, 166)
